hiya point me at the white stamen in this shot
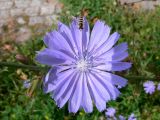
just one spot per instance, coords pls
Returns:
(82, 65)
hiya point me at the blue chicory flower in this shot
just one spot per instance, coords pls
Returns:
(26, 83)
(81, 65)
(132, 117)
(121, 117)
(149, 87)
(110, 112)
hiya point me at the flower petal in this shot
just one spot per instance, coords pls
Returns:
(54, 40)
(77, 35)
(53, 57)
(108, 44)
(110, 112)
(99, 87)
(114, 58)
(149, 87)
(114, 79)
(116, 52)
(75, 100)
(86, 98)
(54, 77)
(66, 33)
(99, 102)
(85, 35)
(113, 66)
(48, 85)
(120, 56)
(67, 94)
(106, 81)
(117, 80)
(63, 84)
(99, 35)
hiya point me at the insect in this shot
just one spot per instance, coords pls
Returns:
(84, 13)
(80, 22)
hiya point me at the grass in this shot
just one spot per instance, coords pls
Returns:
(141, 30)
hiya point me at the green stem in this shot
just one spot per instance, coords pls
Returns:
(139, 77)
(16, 65)
(38, 68)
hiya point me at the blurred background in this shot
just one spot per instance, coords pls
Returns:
(23, 23)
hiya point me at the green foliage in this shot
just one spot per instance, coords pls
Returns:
(142, 32)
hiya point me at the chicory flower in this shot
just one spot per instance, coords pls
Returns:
(110, 112)
(149, 87)
(81, 65)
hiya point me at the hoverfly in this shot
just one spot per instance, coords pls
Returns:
(83, 14)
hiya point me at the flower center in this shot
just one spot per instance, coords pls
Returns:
(82, 65)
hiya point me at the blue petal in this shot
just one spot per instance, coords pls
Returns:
(85, 35)
(86, 98)
(63, 84)
(117, 53)
(117, 80)
(54, 77)
(66, 33)
(121, 117)
(99, 35)
(113, 66)
(54, 40)
(48, 84)
(114, 79)
(53, 57)
(77, 35)
(108, 44)
(81, 36)
(99, 102)
(75, 100)
(100, 88)
(106, 81)
(115, 57)
(120, 56)
(68, 92)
